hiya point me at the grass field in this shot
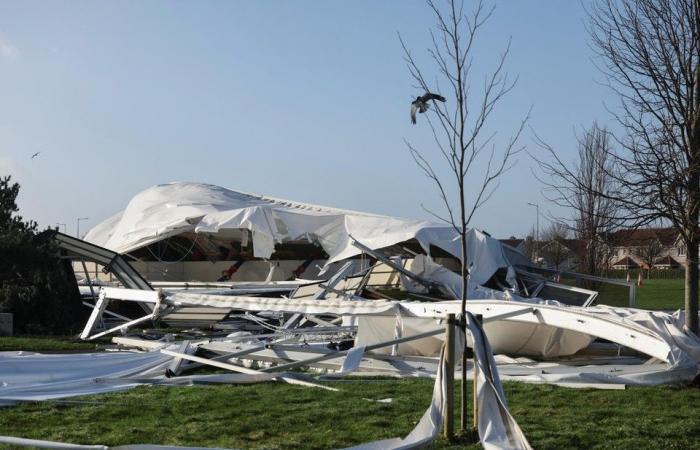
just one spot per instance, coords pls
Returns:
(661, 294)
(279, 416)
(653, 294)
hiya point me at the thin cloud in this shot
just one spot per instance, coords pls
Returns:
(7, 49)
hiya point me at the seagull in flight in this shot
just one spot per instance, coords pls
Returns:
(35, 155)
(421, 105)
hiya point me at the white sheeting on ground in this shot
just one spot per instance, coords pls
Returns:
(34, 376)
(35, 443)
(170, 209)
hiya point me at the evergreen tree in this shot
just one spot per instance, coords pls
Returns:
(35, 284)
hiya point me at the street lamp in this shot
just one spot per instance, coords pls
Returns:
(59, 224)
(77, 227)
(537, 232)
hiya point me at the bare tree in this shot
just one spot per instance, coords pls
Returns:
(459, 125)
(648, 251)
(554, 247)
(649, 51)
(585, 187)
(530, 246)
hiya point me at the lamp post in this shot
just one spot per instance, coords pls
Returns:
(537, 232)
(77, 226)
(59, 224)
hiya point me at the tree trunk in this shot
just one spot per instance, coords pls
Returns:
(691, 241)
(691, 285)
(463, 321)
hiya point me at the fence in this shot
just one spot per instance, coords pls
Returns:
(663, 274)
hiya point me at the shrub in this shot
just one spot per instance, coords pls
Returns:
(35, 284)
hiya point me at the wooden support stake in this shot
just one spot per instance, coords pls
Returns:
(449, 377)
(480, 321)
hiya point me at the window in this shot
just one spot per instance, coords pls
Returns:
(681, 250)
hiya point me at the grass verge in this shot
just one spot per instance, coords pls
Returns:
(279, 416)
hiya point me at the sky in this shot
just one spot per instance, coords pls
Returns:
(305, 100)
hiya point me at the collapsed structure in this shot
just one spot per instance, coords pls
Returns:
(273, 285)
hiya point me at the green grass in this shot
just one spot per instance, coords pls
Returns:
(44, 344)
(661, 294)
(653, 294)
(280, 416)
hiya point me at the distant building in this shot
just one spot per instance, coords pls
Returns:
(659, 248)
(625, 263)
(561, 254)
(646, 248)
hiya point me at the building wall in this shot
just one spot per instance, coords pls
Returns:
(676, 252)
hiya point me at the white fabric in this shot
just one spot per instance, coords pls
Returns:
(36, 443)
(352, 360)
(425, 267)
(670, 327)
(430, 423)
(33, 376)
(497, 428)
(170, 209)
(372, 329)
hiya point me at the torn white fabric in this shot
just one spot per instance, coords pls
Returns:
(430, 423)
(380, 328)
(36, 443)
(670, 327)
(170, 209)
(497, 428)
(425, 267)
(352, 360)
(34, 376)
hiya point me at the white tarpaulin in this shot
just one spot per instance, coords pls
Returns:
(170, 209)
(34, 376)
(498, 430)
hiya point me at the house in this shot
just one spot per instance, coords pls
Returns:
(667, 262)
(625, 263)
(559, 254)
(647, 248)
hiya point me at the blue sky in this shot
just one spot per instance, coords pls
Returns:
(304, 100)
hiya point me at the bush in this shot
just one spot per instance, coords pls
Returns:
(36, 286)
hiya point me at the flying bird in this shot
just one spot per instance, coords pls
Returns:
(421, 105)
(35, 155)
